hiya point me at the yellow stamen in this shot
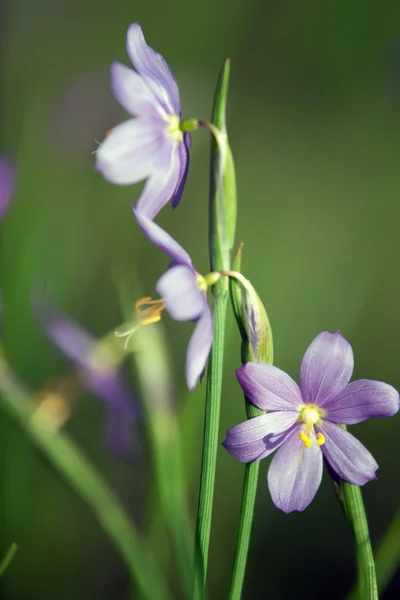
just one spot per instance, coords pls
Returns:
(108, 131)
(320, 439)
(307, 441)
(149, 315)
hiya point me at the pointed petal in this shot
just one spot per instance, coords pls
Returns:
(154, 70)
(132, 93)
(363, 399)
(183, 149)
(182, 297)
(256, 438)
(162, 239)
(346, 455)
(269, 388)
(199, 348)
(132, 151)
(295, 474)
(326, 368)
(161, 186)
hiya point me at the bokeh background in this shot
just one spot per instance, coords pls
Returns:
(314, 123)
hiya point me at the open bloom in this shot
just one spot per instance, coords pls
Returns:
(152, 146)
(99, 371)
(7, 183)
(303, 422)
(182, 293)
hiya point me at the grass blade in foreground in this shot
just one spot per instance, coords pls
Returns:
(8, 558)
(82, 476)
(367, 588)
(222, 222)
(259, 348)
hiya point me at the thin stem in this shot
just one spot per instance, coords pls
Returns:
(87, 482)
(367, 588)
(210, 444)
(8, 558)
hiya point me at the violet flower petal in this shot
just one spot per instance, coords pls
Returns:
(132, 151)
(363, 399)
(183, 150)
(182, 297)
(295, 474)
(162, 239)
(163, 181)
(258, 437)
(346, 455)
(154, 70)
(269, 388)
(326, 368)
(199, 348)
(7, 183)
(132, 93)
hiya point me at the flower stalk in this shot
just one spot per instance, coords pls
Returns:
(222, 222)
(367, 588)
(258, 348)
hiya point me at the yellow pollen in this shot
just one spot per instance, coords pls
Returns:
(311, 415)
(152, 313)
(107, 132)
(174, 129)
(307, 441)
(201, 283)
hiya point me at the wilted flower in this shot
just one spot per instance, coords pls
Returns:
(7, 183)
(303, 422)
(182, 294)
(154, 145)
(98, 367)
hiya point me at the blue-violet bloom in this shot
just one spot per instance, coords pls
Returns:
(99, 370)
(182, 294)
(7, 183)
(154, 145)
(303, 422)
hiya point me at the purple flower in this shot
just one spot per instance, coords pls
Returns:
(303, 422)
(182, 294)
(152, 146)
(7, 183)
(99, 370)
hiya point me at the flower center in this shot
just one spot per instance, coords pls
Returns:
(152, 313)
(311, 415)
(174, 128)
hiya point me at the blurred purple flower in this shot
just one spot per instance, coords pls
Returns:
(7, 183)
(99, 370)
(182, 294)
(152, 146)
(303, 422)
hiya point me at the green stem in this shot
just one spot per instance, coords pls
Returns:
(367, 588)
(210, 444)
(244, 530)
(83, 477)
(7, 560)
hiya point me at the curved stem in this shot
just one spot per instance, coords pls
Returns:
(87, 482)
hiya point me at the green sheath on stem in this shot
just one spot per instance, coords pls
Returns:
(222, 222)
(82, 476)
(256, 345)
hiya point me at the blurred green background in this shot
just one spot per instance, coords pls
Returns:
(314, 123)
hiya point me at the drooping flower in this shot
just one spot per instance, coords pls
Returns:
(7, 183)
(154, 145)
(98, 367)
(302, 423)
(182, 293)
